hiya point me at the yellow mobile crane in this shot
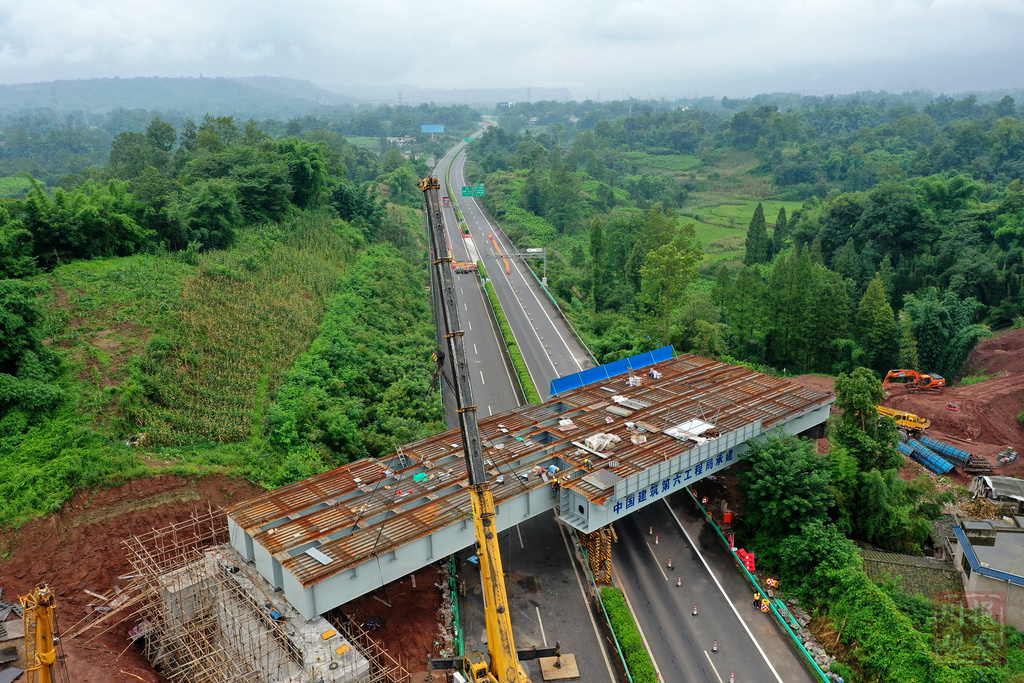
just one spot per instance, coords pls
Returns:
(504, 666)
(40, 635)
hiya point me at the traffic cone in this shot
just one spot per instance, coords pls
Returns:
(695, 606)
(650, 531)
(656, 536)
(732, 677)
(714, 648)
(670, 563)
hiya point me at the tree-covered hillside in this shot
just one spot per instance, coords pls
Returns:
(209, 299)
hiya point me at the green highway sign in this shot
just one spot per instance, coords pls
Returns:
(468, 139)
(479, 190)
(467, 191)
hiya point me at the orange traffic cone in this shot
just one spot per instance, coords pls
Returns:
(714, 648)
(695, 606)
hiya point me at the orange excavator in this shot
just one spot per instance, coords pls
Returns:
(916, 379)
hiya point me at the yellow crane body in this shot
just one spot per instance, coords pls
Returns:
(40, 640)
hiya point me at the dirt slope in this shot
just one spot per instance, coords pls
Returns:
(80, 548)
(986, 421)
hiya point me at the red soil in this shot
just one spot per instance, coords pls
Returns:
(986, 421)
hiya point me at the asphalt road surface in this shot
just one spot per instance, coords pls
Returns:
(682, 645)
(494, 384)
(548, 345)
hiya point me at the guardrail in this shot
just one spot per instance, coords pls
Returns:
(759, 589)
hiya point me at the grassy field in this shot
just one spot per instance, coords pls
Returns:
(363, 142)
(664, 162)
(103, 312)
(738, 213)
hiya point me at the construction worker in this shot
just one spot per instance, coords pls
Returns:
(554, 488)
(757, 599)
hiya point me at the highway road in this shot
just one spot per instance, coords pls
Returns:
(495, 387)
(548, 588)
(750, 645)
(548, 592)
(549, 347)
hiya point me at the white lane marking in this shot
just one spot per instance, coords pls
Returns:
(536, 298)
(586, 601)
(464, 307)
(489, 411)
(657, 561)
(543, 635)
(474, 349)
(715, 578)
(482, 377)
(643, 637)
(497, 338)
(470, 323)
(713, 667)
(544, 310)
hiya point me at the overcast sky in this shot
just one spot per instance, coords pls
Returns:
(596, 48)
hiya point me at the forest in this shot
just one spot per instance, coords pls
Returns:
(841, 238)
(219, 295)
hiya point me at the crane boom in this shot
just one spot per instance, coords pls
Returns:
(504, 664)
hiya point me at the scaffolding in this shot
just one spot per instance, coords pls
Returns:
(598, 547)
(383, 667)
(201, 619)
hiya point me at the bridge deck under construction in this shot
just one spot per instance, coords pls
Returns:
(329, 527)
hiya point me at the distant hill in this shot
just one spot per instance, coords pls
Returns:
(250, 97)
(412, 95)
(253, 97)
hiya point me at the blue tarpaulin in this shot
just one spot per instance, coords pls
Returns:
(560, 385)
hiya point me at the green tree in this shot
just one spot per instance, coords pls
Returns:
(812, 557)
(757, 239)
(746, 305)
(212, 213)
(597, 259)
(875, 328)
(945, 329)
(16, 258)
(307, 170)
(847, 261)
(780, 233)
(669, 270)
(868, 436)
(785, 488)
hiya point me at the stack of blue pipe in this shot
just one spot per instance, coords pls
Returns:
(916, 450)
(951, 453)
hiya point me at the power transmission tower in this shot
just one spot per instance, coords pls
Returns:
(56, 109)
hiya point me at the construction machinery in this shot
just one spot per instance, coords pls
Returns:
(41, 639)
(504, 665)
(909, 421)
(916, 379)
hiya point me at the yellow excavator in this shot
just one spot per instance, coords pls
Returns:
(41, 641)
(504, 665)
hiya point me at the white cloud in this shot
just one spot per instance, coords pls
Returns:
(661, 47)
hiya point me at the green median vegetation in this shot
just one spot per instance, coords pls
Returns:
(631, 643)
(518, 362)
